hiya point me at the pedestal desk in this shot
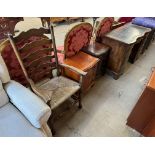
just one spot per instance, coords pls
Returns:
(142, 117)
(125, 41)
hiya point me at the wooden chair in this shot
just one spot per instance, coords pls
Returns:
(77, 38)
(96, 48)
(102, 27)
(38, 60)
(7, 25)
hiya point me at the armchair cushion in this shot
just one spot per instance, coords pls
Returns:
(14, 124)
(32, 107)
(3, 97)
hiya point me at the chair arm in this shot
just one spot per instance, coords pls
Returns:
(82, 73)
(32, 107)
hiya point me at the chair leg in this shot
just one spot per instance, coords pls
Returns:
(80, 103)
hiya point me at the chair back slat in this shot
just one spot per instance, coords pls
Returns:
(34, 45)
(39, 52)
(32, 32)
(37, 61)
(40, 76)
(46, 65)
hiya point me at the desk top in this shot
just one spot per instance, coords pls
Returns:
(128, 34)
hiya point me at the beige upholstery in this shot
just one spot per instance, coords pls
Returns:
(14, 124)
(59, 89)
(32, 118)
(3, 96)
(4, 74)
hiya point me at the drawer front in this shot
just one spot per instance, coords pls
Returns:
(88, 80)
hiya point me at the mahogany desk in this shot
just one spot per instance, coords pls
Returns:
(142, 117)
(125, 41)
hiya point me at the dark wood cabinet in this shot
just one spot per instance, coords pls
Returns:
(122, 41)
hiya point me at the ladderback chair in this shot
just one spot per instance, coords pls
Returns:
(96, 48)
(77, 38)
(38, 60)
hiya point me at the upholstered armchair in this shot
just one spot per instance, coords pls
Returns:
(76, 39)
(22, 113)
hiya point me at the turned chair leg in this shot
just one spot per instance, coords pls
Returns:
(80, 103)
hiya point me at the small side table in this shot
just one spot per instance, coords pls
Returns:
(100, 51)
